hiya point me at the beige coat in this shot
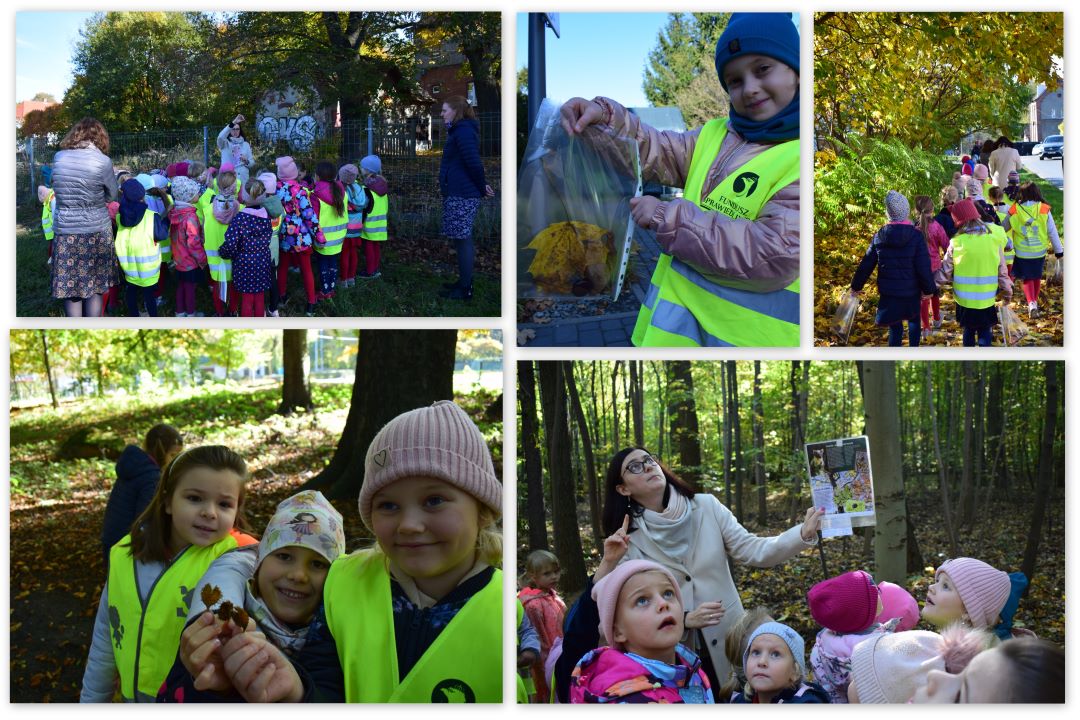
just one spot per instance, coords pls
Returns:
(759, 255)
(713, 536)
(1002, 162)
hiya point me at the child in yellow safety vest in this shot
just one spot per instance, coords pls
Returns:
(429, 628)
(224, 205)
(279, 584)
(975, 264)
(138, 232)
(729, 271)
(376, 215)
(1030, 224)
(328, 199)
(47, 198)
(196, 515)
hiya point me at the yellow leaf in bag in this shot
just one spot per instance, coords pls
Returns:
(567, 252)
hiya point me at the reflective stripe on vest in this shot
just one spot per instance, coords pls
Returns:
(1002, 240)
(333, 225)
(214, 238)
(143, 666)
(375, 223)
(464, 664)
(137, 252)
(46, 216)
(685, 307)
(1029, 229)
(975, 269)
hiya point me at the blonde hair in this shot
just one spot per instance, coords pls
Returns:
(254, 190)
(949, 195)
(489, 541)
(222, 183)
(995, 194)
(537, 562)
(735, 645)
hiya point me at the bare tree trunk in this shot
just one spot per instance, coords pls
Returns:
(48, 368)
(725, 383)
(294, 388)
(684, 422)
(1046, 466)
(535, 516)
(615, 405)
(637, 401)
(883, 426)
(963, 511)
(946, 509)
(734, 383)
(758, 426)
(661, 409)
(590, 462)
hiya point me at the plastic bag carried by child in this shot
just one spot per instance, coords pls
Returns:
(1013, 328)
(574, 224)
(1053, 270)
(845, 315)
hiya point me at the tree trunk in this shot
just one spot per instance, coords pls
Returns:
(963, 510)
(883, 428)
(48, 368)
(946, 509)
(637, 399)
(535, 516)
(564, 522)
(725, 384)
(684, 422)
(396, 371)
(758, 426)
(294, 388)
(733, 382)
(590, 461)
(1046, 464)
(615, 406)
(661, 404)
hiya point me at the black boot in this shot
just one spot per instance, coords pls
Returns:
(457, 293)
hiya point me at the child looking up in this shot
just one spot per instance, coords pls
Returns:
(775, 667)
(974, 593)
(544, 609)
(1024, 670)
(429, 628)
(735, 645)
(729, 271)
(196, 515)
(641, 618)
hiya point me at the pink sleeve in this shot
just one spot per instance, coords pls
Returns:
(198, 251)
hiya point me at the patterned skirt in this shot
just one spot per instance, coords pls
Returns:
(84, 265)
(458, 216)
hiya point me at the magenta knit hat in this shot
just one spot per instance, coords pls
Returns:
(896, 602)
(963, 211)
(846, 603)
(983, 589)
(606, 592)
(227, 167)
(891, 667)
(439, 441)
(286, 168)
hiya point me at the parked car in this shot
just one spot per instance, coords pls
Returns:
(1053, 146)
(1024, 146)
(1036, 150)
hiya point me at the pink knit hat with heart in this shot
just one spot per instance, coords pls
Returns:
(846, 603)
(983, 589)
(606, 592)
(896, 602)
(439, 441)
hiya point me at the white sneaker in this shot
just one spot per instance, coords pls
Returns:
(273, 314)
(1033, 309)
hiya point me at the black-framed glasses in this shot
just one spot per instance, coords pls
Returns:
(636, 467)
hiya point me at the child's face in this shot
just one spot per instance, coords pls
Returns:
(770, 666)
(428, 528)
(172, 452)
(648, 616)
(203, 506)
(760, 86)
(547, 578)
(980, 682)
(943, 604)
(290, 582)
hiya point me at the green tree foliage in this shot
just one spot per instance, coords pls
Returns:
(53, 119)
(929, 79)
(681, 69)
(477, 36)
(138, 71)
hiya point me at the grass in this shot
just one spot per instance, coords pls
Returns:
(412, 274)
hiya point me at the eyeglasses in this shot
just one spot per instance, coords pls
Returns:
(636, 467)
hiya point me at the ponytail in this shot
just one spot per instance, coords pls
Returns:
(326, 172)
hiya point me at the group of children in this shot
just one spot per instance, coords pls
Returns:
(243, 237)
(867, 651)
(197, 609)
(983, 238)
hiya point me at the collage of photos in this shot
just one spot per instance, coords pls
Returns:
(289, 419)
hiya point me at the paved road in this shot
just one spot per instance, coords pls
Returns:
(1052, 169)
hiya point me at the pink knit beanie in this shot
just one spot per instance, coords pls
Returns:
(286, 168)
(439, 441)
(269, 182)
(896, 602)
(983, 589)
(846, 603)
(606, 592)
(890, 667)
(981, 172)
(227, 167)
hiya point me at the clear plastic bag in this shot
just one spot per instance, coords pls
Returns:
(1013, 328)
(574, 226)
(1053, 270)
(845, 315)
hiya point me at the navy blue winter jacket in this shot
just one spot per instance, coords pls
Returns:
(899, 252)
(137, 477)
(461, 173)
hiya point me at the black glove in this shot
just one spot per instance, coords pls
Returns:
(1059, 255)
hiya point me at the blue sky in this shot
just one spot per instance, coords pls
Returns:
(598, 54)
(44, 43)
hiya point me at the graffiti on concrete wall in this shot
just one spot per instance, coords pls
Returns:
(298, 132)
(290, 116)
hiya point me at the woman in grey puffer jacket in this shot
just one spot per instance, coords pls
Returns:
(84, 259)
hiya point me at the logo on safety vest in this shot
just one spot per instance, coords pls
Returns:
(452, 690)
(745, 184)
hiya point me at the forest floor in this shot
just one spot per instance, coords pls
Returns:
(57, 506)
(413, 270)
(1000, 542)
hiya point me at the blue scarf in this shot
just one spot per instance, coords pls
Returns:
(782, 126)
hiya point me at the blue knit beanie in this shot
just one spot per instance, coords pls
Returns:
(770, 34)
(791, 638)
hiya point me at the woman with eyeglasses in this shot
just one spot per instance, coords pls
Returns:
(235, 148)
(651, 513)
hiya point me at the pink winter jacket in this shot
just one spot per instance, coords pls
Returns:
(186, 238)
(759, 255)
(937, 243)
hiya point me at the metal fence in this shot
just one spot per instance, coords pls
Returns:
(410, 149)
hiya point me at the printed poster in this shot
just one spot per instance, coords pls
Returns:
(842, 483)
